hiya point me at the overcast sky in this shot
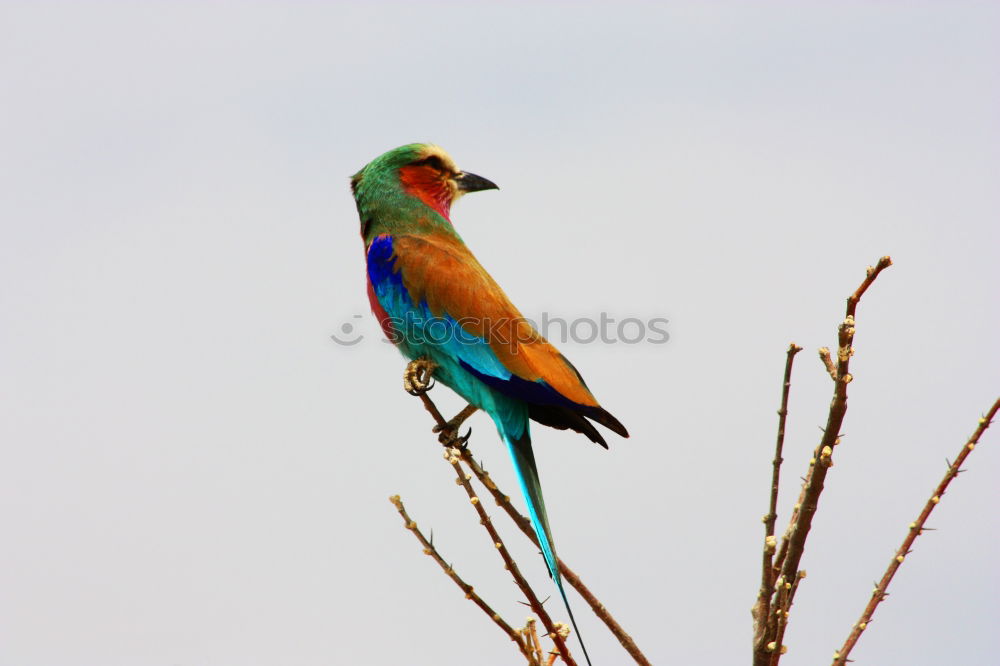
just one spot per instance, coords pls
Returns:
(195, 473)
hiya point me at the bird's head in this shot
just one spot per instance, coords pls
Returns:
(418, 173)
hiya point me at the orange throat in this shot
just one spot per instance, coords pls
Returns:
(428, 185)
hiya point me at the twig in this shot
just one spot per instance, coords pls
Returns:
(530, 633)
(831, 369)
(432, 408)
(801, 521)
(503, 501)
(453, 456)
(524, 524)
(822, 460)
(786, 592)
(771, 650)
(762, 609)
(786, 386)
(470, 593)
(779, 560)
(916, 528)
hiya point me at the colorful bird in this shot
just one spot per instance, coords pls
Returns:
(436, 302)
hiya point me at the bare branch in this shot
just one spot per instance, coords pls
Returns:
(762, 608)
(831, 369)
(530, 633)
(916, 528)
(470, 593)
(801, 521)
(503, 501)
(524, 524)
(432, 408)
(822, 460)
(786, 592)
(556, 633)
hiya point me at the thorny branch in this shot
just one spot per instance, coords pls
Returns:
(503, 501)
(831, 369)
(769, 648)
(763, 607)
(530, 632)
(780, 576)
(915, 530)
(556, 632)
(470, 593)
(524, 524)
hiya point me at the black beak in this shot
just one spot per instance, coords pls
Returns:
(470, 182)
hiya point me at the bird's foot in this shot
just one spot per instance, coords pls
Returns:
(417, 376)
(448, 432)
(451, 439)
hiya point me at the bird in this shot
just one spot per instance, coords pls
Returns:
(450, 318)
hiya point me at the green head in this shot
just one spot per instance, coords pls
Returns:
(411, 188)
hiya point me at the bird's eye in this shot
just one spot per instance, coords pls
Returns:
(433, 161)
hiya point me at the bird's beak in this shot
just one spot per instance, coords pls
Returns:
(470, 182)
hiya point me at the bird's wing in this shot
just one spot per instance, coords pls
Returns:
(439, 275)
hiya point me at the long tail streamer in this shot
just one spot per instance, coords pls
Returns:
(531, 487)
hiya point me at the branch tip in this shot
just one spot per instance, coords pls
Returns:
(915, 529)
(769, 628)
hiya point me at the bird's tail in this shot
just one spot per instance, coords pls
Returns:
(531, 487)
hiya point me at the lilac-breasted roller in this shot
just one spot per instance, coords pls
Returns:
(436, 302)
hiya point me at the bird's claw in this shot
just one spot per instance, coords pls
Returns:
(417, 376)
(449, 437)
(448, 431)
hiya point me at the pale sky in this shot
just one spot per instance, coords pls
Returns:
(194, 473)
